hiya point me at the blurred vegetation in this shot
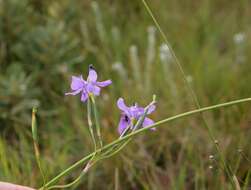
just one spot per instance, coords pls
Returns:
(43, 43)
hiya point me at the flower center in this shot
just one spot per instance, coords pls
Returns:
(133, 121)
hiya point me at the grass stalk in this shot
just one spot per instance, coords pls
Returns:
(192, 93)
(35, 143)
(247, 179)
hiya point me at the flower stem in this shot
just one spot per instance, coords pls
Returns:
(113, 152)
(156, 125)
(96, 116)
(89, 120)
(69, 184)
(126, 130)
(83, 172)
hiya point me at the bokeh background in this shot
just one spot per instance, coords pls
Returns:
(43, 43)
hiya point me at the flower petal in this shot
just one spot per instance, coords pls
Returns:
(93, 89)
(151, 109)
(92, 77)
(123, 124)
(136, 111)
(77, 82)
(104, 83)
(96, 91)
(84, 96)
(75, 92)
(147, 122)
(121, 105)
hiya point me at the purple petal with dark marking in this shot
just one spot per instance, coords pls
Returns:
(92, 77)
(123, 124)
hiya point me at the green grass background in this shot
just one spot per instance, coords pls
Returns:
(43, 43)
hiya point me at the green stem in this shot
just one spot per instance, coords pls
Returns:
(69, 184)
(96, 116)
(83, 172)
(116, 151)
(156, 125)
(90, 125)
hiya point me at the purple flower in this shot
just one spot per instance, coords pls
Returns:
(89, 87)
(133, 113)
